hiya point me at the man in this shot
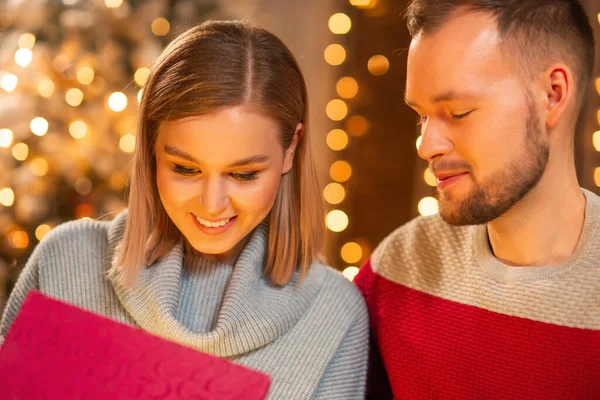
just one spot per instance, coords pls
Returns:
(499, 296)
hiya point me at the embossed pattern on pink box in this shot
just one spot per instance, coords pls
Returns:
(57, 351)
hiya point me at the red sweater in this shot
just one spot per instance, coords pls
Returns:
(449, 321)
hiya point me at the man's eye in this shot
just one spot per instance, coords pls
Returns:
(422, 120)
(460, 116)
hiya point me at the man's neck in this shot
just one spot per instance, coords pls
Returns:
(542, 229)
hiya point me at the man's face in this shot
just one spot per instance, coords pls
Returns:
(482, 133)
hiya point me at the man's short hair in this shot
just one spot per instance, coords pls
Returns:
(538, 32)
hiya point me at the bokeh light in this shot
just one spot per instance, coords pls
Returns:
(335, 54)
(336, 110)
(340, 171)
(74, 97)
(336, 220)
(160, 27)
(117, 101)
(337, 140)
(6, 138)
(378, 65)
(351, 252)
(7, 197)
(428, 206)
(350, 272)
(340, 24)
(85, 75)
(347, 87)
(39, 126)
(334, 193)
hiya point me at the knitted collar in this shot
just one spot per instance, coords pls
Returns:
(253, 313)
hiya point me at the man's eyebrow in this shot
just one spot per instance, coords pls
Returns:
(444, 97)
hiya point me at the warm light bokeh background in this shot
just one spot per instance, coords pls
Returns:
(71, 72)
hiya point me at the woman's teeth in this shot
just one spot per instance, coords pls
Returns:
(216, 224)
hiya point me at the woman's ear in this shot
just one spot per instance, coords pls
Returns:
(288, 160)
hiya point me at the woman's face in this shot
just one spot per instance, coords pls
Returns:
(218, 176)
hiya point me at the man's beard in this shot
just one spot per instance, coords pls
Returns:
(492, 198)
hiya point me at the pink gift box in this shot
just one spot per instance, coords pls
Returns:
(58, 351)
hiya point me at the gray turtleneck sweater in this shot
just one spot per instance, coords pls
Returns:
(310, 337)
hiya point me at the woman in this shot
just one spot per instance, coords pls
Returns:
(218, 248)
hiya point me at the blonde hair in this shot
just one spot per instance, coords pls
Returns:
(212, 66)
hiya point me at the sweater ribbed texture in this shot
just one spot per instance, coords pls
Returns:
(311, 337)
(451, 321)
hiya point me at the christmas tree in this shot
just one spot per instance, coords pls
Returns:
(71, 73)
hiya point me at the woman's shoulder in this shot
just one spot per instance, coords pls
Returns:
(81, 232)
(337, 286)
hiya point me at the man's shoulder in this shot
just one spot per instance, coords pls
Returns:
(427, 240)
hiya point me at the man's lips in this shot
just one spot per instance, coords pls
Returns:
(446, 179)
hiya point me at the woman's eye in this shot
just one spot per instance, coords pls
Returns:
(185, 171)
(422, 120)
(247, 176)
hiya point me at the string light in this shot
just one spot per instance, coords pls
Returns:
(6, 138)
(85, 75)
(74, 97)
(39, 166)
(113, 3)
(26, 41)
(419, 140)
(20, 151)
(141, 76)
(335, 54)
(351, 252)
(118, 180)
(340, 171)
(83, 186)
(350, 273)
(78, 129)
(45, 88)
(428, 206)
(597, 176)
(336, 110)
(337, 140)
(347, 87)
(117, 101)
(340, 24)
(160, 27)
(19, 239)
(596, 140)
(127, 143)
(364, 3)
(378, 65)
(336, 221)
(9, 82)
(23, 57)
(42, 230)
(357, 125)
(7, 197)
(334, 193)
(38, 126)
(139, 96)
(430, 178)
